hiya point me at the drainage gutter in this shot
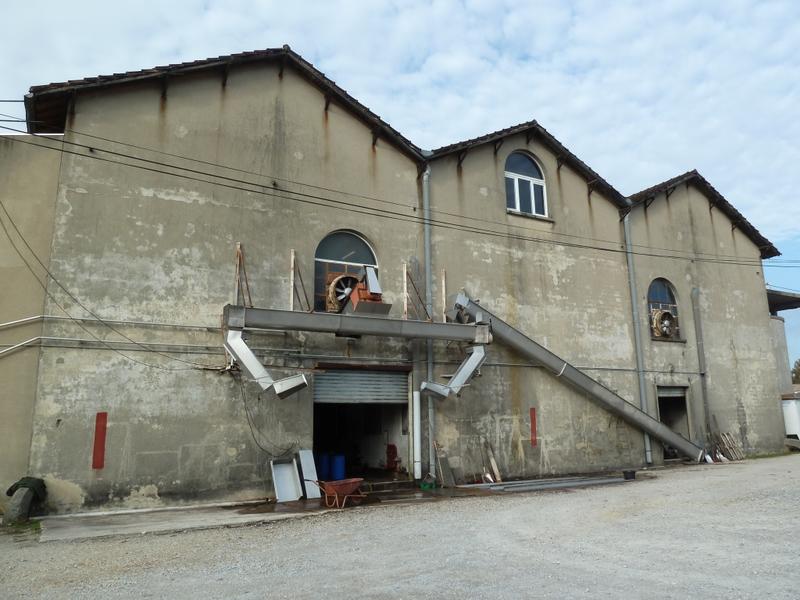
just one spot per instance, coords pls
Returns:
(637, 329)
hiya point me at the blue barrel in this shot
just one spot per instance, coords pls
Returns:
(337, 467)
(324, 466)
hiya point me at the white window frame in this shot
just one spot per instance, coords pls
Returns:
(517, 178)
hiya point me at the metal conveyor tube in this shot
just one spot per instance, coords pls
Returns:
(598, 393)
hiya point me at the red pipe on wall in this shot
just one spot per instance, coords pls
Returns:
(533, 427)
(99, 453)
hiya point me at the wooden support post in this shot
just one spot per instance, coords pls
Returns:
(405, 290)
(291, 279)
(444, 296)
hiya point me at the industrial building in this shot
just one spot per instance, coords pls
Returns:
(212, 264)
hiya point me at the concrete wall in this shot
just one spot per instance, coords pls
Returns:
(743, 390)
(138, 245)
(152, 249)
(28, 179)
(781, 350)
(573, 300)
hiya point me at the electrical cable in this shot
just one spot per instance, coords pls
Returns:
(352, 194)
(74, 298)
(407, 218)
(285, 451)
(86, 329)
(382, 213)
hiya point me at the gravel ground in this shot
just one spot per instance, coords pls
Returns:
(708, 531)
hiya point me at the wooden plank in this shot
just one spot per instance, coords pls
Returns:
(492, 461)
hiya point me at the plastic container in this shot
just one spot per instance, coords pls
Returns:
(337, 467)
(324, 466)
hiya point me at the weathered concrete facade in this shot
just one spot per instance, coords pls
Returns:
(164, 175)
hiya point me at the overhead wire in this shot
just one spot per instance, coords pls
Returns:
(716, 256)
(77, 321)
(231, 183)
(282, 451)
(694, 256)
(74, 298)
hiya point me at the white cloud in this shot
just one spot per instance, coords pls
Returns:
(640, 91)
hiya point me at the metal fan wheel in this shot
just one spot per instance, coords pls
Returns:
(667, 324)
(344, 286)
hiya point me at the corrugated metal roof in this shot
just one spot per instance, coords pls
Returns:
(767, 249)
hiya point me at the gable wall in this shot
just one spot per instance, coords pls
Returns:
(142, 246)
(742, 383)
(575, 301)
(28, 178)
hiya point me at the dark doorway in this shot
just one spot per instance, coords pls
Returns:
(673, 413)
(373, 437)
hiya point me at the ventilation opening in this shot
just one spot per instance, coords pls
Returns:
(673, 413)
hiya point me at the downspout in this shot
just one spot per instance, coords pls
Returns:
(426, 216)
(637, 326)
(701, 360)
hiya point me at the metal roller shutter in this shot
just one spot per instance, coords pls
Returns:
(354, 387)
(671, 392)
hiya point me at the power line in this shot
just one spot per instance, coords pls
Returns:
(353, 194)
(363, 196)
(79, 303)
(251, 424)
(358, 209)
(696, 256)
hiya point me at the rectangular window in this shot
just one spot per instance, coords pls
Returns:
(538, 194)
(524, 196)
(511, 195)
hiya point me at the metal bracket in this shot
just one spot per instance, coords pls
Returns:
(226, 69)
(528, 136)
(476, 355)
(238, 348)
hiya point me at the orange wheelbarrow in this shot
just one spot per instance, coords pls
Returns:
(337, 493)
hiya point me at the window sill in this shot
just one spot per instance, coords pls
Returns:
(667, 340)
(529, 216)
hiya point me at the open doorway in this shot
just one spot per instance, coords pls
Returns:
(361, 425)
(373, 438)
(673, 413)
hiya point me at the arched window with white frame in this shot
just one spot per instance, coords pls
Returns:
(663, 309)
(338, 261)
(526, 193)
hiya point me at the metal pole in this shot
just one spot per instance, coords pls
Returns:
(637, 331)
(417, 424)
(701, 359)
(426, 215)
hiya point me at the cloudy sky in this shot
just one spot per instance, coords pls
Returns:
(641, 91)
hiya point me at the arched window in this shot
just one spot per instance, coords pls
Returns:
(525, 189)
(339, 258)
(663, 310)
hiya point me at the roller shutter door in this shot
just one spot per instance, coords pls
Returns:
(357, 387)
